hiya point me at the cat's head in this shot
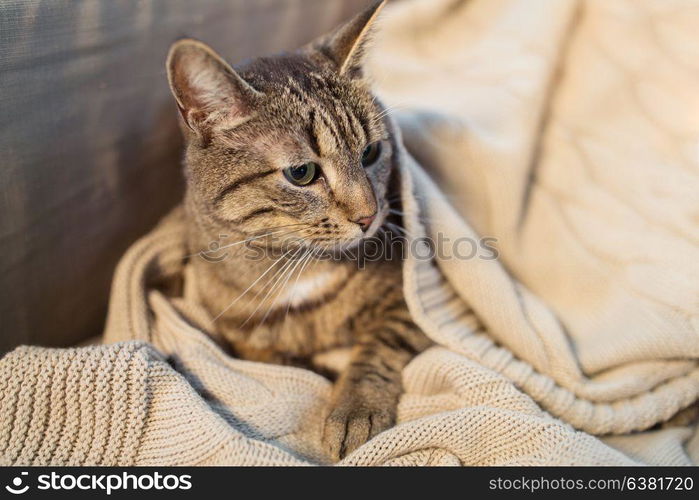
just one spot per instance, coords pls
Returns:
(295, 144)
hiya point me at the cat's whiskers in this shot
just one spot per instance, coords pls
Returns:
(276, 233)
(281, 272)
(283, 285)
(421, 218)
(309, 256)
(251, 285)
(203, 253)
(387, 111)
(400, 229)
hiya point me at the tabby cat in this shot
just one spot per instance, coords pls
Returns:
(294, 152)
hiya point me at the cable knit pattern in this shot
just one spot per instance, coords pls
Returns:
(566, 130)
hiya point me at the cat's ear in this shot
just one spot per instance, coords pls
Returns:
(207, 90)
(347, 45)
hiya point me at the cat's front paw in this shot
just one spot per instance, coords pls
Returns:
(351, 423)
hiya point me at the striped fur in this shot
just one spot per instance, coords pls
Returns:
(242, 128)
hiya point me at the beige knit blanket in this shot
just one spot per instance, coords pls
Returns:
(568, 131)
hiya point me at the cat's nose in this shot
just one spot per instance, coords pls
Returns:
(365, 222)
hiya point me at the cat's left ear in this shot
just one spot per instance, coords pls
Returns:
(347, 45)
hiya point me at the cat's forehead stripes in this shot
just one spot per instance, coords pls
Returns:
(312, 133)
(327, 133)
(339, 121)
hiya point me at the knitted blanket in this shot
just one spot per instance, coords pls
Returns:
(563, 131)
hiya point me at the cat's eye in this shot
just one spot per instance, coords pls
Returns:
(302, 174)
(371, 154)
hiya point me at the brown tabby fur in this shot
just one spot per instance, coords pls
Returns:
(242, 128)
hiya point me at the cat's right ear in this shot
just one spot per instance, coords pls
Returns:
(207, 90)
